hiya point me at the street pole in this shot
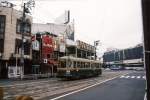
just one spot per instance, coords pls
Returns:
(146, 35)
(94, 50)
(22, 43)
(26, 8)
(96, 43)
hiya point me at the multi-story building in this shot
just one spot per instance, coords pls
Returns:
(85, 50)
(11, 40)
(56, 29)
(45, 54)
(128, 57)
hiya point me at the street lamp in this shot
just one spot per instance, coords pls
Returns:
(26, 9)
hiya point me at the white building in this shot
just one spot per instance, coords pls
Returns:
(11, 38)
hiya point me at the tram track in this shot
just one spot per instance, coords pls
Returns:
(50, 88)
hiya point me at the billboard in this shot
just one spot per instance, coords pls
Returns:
(47, 44)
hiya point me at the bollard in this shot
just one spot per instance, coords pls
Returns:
(1, 93)
(24, 98)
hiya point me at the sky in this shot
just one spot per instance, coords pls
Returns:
(116, 23)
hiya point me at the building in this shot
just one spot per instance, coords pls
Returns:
(85, 50)
(44, 54)
(127, 57)
(47, 49)
(11, 40)
(56, 29)
(45, 58)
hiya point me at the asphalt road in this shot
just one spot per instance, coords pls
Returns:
(127, 87)
(45, 89)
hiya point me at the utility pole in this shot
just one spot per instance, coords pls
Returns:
(26, 8)
(96, 43)
(146, 35)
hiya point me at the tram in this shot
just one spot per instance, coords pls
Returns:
(72, 67)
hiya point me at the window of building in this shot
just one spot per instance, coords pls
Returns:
(2, 45)
(18, 26)
(2, 31)
(48, 56)
(27, 46)
(18, 46)
(27, 27)
(2, 24)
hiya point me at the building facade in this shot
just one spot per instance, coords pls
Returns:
(128, 57)
(56, 29)
(44, 54)
(11, 40)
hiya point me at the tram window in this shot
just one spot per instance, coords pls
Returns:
(93, 65)
(100, 65)
(78, 64)
(97, 65)
(63, 64)
(69, 63)
(83, 64)
(86, 65)
(75, 64)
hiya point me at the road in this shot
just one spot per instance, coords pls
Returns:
(125, 87)
(46, 89)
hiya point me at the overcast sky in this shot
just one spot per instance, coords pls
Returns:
(116, 23)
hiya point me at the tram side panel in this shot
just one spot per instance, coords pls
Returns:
(79, 70)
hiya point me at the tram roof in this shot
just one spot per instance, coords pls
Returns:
(79, 59)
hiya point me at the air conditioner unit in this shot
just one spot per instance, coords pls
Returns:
(45, 60)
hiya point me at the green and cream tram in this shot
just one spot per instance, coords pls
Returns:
(71, 67)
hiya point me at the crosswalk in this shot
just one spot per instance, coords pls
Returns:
(133, 77)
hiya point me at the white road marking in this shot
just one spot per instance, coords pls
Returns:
(56, 98)
(122, 76)
(138, 77)
(144, 77)
(132, 76)
(127, 76)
